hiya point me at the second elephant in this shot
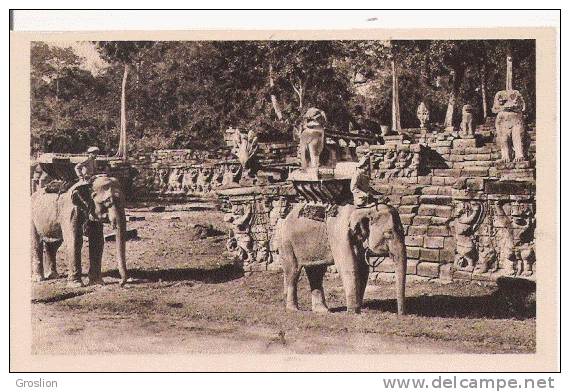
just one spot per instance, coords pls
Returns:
(341, 238)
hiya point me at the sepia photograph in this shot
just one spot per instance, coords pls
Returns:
(318, 196)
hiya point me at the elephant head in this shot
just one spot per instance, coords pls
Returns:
(380, 230)
(109, 207)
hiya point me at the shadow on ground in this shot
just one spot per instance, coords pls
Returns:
(513, 298)
(223, 274)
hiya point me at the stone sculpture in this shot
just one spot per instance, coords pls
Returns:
(340, 238)
(245, 147)
(515, 232)
(189, 180)
(467, 121)
(423, 115)
(58, 218)
(312, 138)
(240, 243)
(468, 217)
(509, 106)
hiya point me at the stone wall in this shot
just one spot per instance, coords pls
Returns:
(466, 214)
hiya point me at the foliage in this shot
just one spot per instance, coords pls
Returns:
(185, 94)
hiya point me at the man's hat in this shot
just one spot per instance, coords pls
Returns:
(93, 150)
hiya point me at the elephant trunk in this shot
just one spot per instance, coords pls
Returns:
(118, 220)
(397, 250)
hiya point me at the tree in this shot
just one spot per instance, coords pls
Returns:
(125, 53)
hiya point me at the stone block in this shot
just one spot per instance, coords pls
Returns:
(475, 172)
(447, 172)
(449, 244)
(414, 240)
(412, 267)
(417, 230)
(454, 157)
(446, 255)
(433, 242)
(446, 272)
(435, 199)
(463, 275)
(424, 180)
(430, 190)
(426, 210)
(429, 254)
(412, 252)
(410, 199)
(430, 270)
(422, 220)
(443, 211)
(464, 143)
(408, 209)
(436, 180)
(407, 219)
(439, 221)
(394, 199)
(438, 231)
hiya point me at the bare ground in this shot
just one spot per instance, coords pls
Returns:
(186, 297)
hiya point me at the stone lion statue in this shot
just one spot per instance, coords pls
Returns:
(509, 106)
(312, 138)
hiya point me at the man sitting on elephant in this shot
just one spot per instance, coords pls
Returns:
(363, 194)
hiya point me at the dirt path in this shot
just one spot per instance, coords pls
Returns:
(86, 334)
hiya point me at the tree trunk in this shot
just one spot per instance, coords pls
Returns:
(396, 126)
(274, 102)
(483, 90)
(122, 150)
(457, 80)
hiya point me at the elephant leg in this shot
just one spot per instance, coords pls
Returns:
(363, 273)
(347, 266)
(397, 251)
(73, 239)
(37, 256)
(51, 251)
(291, 272)
(96, 241)
(316, 274)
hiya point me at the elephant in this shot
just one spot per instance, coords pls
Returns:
(341, 238)
(62, 217)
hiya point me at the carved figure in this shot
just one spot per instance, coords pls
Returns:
(162, 175)
(232, 175)
(203, 183)
(175, 180)
(312, 138)
(468, 217)
(340, 239)
(245, 147)
(240, 243)
(467, 121)
(423, 115)
(189, 180)
(58, 218)
(516, 233)
(509, 124)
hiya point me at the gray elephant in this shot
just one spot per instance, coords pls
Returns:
(58, 218)
(341, 237)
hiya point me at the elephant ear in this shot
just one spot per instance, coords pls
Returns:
(359, 225)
